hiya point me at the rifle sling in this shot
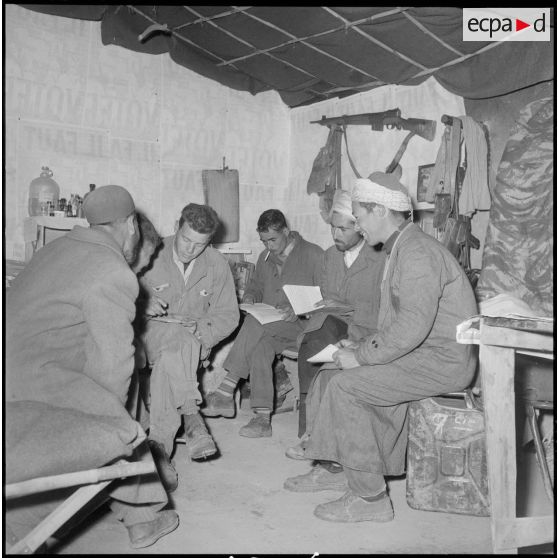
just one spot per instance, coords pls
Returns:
(391, 167)
(357, 174)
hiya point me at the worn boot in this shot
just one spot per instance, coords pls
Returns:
(258, 427)
(148, 533)
(317, 479)
(218, 405)
(165, 468)
(351, 508)
(199, 442)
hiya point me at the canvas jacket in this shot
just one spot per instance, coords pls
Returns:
(303, 266)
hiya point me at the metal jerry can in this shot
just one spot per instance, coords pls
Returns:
(446, 457)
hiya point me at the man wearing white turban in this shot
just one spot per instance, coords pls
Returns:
(350, 285)
(361, 421)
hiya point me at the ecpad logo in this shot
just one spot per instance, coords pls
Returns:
(506, 24)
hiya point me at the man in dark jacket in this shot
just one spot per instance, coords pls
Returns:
(351, 278)
(69, 348)
(360, 422)
(288, 259)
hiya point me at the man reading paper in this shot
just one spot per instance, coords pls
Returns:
(287, 259)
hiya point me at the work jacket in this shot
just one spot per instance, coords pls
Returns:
(303, 266)
(208, 296)
(357, 286)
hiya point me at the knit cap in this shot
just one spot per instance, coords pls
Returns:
(108, 203)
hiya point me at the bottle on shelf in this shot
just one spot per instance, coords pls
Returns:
(91, 188)
(42, 189)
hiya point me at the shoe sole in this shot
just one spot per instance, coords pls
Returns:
(315, 488)
(204, 454)
(377, 518)
(216, 413)
(154, 538)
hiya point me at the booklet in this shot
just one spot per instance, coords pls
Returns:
(303, 298)
(325, 355)
(264, 313)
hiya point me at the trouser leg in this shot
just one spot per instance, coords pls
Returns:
(261, 374)
(333, 329)
(174, 387)
(365, 484)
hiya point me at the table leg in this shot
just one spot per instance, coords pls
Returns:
(497, 377)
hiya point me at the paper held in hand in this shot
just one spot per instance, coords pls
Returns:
(264, 313)
(303, 298)
(325, 355)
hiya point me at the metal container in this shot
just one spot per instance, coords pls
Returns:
(446, 457)
(41, 191)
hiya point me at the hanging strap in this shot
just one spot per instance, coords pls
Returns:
(391, 167)
(357, 174)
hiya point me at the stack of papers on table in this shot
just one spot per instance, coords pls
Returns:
(264, 313)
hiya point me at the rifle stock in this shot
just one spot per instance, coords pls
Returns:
(389, 119)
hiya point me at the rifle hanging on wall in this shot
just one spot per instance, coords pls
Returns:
(325, 176)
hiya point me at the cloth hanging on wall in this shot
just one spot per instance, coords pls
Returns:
(519, 249)
(220, 190)
(474, 191)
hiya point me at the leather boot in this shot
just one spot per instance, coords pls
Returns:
(199, 442)
(166, 470)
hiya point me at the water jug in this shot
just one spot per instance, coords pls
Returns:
(43, 190)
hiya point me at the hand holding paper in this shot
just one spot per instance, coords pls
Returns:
(325, 355)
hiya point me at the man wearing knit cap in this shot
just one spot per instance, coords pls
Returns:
(359, 430)
(350, 286)
(70, 357)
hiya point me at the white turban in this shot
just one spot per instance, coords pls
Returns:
(384, 189)
(342, 203)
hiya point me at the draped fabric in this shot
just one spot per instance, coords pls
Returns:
(307, 54)
(519, 248)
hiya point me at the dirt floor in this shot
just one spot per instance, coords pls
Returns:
(236, 504)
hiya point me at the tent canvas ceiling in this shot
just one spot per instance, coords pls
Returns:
(309, 54)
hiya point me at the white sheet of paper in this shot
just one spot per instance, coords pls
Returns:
(302, 297)
(325, 355)
(264, 313)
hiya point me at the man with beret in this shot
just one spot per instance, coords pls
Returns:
(287, 259)
(70, 346)
(192, 300)
(358, 432)
(351, 278)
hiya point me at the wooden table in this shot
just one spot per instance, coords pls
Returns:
(499, 339)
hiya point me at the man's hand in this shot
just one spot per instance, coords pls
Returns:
(346, 344)
(248, 299)
(156, 306)
(288, 314)
(345, 358)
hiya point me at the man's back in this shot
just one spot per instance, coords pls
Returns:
(68, 321)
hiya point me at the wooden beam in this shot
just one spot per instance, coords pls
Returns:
(430, 34)
(314, 35)
(202, 19)
(504, 337)
(309, 45)
(376, 41)
(233, 36)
